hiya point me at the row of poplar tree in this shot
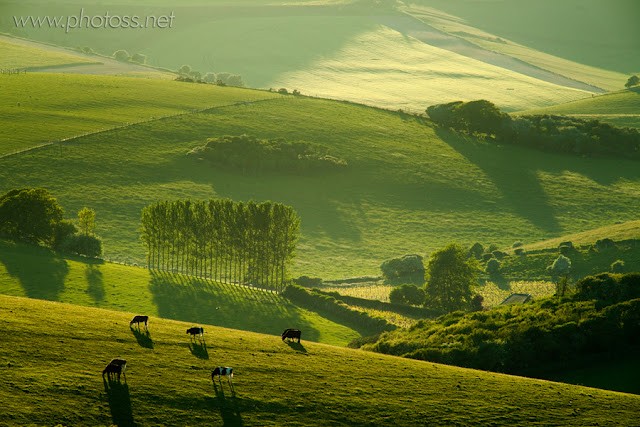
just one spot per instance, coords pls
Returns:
(248, 243)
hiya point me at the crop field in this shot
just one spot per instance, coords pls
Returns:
(125, 288)
(409, 188)
(52, 356)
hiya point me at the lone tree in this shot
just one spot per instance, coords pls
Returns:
(633, 81)
(87, 221)
(449, 278)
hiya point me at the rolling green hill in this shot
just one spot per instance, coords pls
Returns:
(52, 356)
(361, 51)
(95, 283)
(20, 55)
(409, 188)
(620, 108)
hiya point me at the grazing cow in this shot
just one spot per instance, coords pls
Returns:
(140, 319)
(220, 372)
(291, 334)
(115, 368)
(196, 331)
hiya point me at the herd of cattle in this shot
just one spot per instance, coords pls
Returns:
(117, 367)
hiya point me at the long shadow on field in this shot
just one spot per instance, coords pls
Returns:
(232, 306)
(229, 409)
(296, 346)
(119, 403)
(40, 271)
(143, 337)
(95, 282)
(199, 350)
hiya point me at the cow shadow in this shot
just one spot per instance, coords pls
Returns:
(143, 337)
(199, 349)
(229, 408)
(296, 346)
(119, 402)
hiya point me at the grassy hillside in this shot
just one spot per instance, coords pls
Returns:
(620, 108)
(52, 356)
(118, 287)
(66, 106)
(19, 55)
(409, 188)
(370, 54)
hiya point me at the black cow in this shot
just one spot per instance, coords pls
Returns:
(291, 334)
(196, 331)
(140, 319)
(220, 372)
(115, 368)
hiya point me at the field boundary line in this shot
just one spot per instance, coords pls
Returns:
(131, 124)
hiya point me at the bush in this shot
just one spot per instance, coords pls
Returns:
(308, 282)
(409, 268)
(617, 266)
(493, 266)
(81, 244)
(121, 55)
(283, 91)
(139, 58)
(561, 266)
(516, 244)
(519, 251)
(604, 244)
(499, 254)
(476, 250)
(407, 295)
(477, 303)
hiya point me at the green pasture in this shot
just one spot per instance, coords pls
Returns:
(621, 108)
(41, 108)
(53, 354)
(409, 188)
(33, 272)
(16, 55)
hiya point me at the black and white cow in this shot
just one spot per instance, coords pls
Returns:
(115, 368)
(140, 319)
(196, 331)
(291, 334)
(220, 372)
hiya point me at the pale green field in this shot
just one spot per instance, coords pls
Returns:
(16, 55)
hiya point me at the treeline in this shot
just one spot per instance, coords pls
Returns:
(601, 316)
(561, 134)
(249, 154)
(334, 309)
(248, 243)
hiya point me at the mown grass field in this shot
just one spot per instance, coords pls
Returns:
(52, 356)
(65, 106)
(621, 108)
(118, 287)
(409, 188)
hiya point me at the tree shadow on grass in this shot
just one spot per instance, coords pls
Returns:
(40, 271)
(119, 403)
(143, 337)
(95, 282)
(232, 306)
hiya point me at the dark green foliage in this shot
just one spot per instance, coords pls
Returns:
(407, 294)
(245, 153)
(220, 239)
(450, 276)
(406, 310)
(617, 266)
(633, 81)
(476, 303)
(604, 244)
(139, 58)
(82, 244)
(571, 135)
(519, 251)
(408, 268)
(516, 244)
(476, 250)
(561, 266)
(529, 339)
(308, 282)
(332, 308)
(608, 288)
(32, 215)
(493, 266)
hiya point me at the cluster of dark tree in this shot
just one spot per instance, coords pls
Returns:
(406, 269)
(123, 56)
(561, 134)
(602, 316)
(186, 74)
(249, 154)
(632, 81)
(249, 243)
(333, 308)
(33, 215)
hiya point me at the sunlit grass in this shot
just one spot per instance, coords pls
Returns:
(494, 294)
(17, 55)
